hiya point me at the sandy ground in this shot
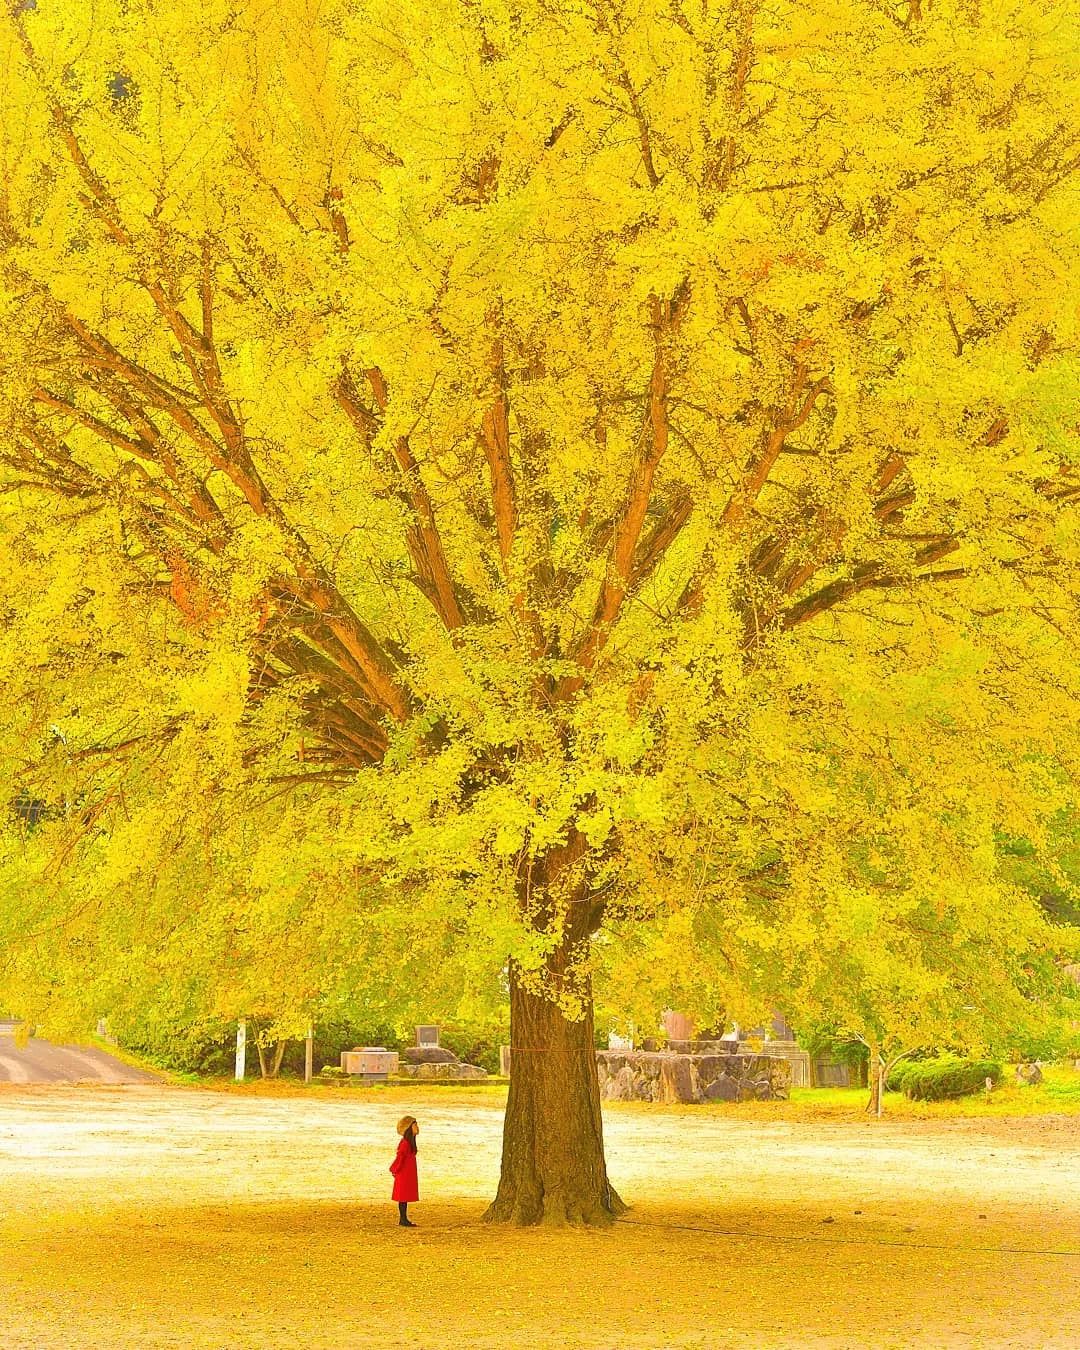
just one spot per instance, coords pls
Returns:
(155, 1216)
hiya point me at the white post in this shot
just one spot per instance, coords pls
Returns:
(309, 1051)
(241, 1049)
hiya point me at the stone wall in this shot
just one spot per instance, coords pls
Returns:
(798, 1060)
(435, 1061)
(664, 1076)
(445, 1069)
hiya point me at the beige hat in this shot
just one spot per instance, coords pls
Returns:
(404, 1123)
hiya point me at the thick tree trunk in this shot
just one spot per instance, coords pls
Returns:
(553, 1168)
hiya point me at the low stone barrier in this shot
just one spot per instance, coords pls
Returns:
(450, 1071)
(666, 1076)
(435, 1062)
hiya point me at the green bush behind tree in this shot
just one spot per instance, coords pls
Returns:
(944, 1078)
(208, 1048)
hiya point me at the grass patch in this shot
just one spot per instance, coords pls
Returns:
(1059, 1093)
(1060, 1085)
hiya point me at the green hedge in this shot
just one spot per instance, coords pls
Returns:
(936, 1080)
(475, 1046)
(898, 1075)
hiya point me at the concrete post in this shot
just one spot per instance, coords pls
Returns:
(309, 1052)
(241, 1049)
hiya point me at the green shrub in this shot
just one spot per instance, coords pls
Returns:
(475, 1046)
(209, 1048)
(201, 1047)
(1058, 1042)
(331, 1038)
(946, 1078)
(1063, 1088)
(898, 1075)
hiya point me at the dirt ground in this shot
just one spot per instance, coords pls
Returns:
(172, 1217)
(41, 1062)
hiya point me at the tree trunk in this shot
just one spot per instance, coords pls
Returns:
(269, 1066)
(875, 1079)
(553, 1168)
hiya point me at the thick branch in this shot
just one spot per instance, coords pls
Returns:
(350, 643)
(652, 446)
(195, 347)
(644, 135)
(495, 440)
(424, 540)
(720, 165)
(199, 498)
(799, 407)
(652, 550)
(313, 584)
(495, 437)
(867, 576)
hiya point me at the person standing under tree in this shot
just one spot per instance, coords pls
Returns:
(403, 1167)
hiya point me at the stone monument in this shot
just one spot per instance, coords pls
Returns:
(428, 1059)
(370, 1063)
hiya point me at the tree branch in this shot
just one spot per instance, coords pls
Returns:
(495, 437)
(868, 576)
(652, 446)
(664, 534)
(423, 540)
(800, 405)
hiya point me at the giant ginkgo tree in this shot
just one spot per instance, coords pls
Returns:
(603, 467)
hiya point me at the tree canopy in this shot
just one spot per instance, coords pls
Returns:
(486, 476)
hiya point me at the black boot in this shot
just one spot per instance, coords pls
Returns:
(403, 1215)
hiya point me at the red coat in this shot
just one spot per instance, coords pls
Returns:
(404, 1169)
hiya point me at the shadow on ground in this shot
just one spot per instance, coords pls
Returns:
(151, 1217)
(334, 1274)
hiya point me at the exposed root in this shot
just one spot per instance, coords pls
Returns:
(554, 1210)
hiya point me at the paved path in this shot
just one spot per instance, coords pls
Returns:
(42, 1062)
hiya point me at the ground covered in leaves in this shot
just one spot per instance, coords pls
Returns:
(170, 1216)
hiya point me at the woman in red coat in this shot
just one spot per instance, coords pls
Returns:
(404, 1169)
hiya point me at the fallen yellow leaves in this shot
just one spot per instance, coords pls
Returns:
(161, 1217)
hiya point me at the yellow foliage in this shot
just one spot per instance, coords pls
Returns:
(477, 472)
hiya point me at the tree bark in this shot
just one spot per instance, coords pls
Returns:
(553, 1167)
(270, 1065)
(875, 1077)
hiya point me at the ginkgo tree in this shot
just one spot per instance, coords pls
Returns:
(589, 469)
